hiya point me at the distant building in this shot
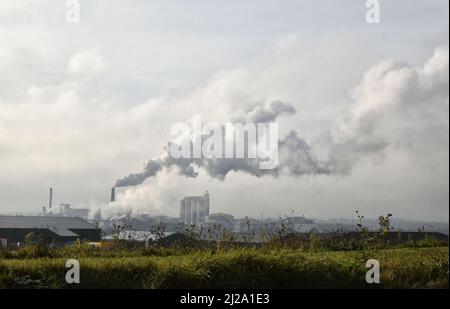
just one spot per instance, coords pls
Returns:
(194, 209)
(250, 225)
(288, 224)
(58, 230)
(301, 224)
(65, 210)
(222, 220)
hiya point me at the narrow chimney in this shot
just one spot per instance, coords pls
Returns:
(50, 202)
(113, 194)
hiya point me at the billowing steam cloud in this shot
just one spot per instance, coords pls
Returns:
(385, 104)
(258, 113)
(296, 156)
(388, 104)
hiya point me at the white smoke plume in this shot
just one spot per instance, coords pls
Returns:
(388, 94)
(384, 111)
(296, 155)
(388, 97)
(389, 102)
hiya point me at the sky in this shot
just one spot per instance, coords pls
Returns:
(85, 104)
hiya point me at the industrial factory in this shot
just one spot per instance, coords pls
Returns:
(63, 209)
(194, 209)
(63, 224)
(14, 230)
(57, 225)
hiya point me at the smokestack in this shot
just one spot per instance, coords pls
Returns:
(113, 194)
(50, 202)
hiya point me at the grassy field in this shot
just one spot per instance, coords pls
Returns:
(233, 268)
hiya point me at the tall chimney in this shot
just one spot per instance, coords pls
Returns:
(50, 202)
(113, 194)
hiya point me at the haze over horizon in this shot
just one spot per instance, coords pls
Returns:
(83, 105)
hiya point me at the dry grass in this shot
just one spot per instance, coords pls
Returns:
(232, 268)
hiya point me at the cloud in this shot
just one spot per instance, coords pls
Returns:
(26, 9)
(86, 62)
(259, 113)
(398, 113)
(59, 126)
(394, 104)
(388, 93)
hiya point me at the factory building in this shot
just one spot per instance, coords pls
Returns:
(57, 230)
(221, 220)
(300, 224)
(64, 209)
(194, 209)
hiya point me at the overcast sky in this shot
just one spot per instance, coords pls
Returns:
(82, 105)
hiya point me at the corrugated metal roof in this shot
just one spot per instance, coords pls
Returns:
(59, 225)
(64, 233)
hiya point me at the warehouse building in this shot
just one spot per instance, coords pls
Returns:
(57, 230)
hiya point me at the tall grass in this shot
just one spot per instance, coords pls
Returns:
(235, 268)
(309, 261)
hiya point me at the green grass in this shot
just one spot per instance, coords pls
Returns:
(233, 268)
